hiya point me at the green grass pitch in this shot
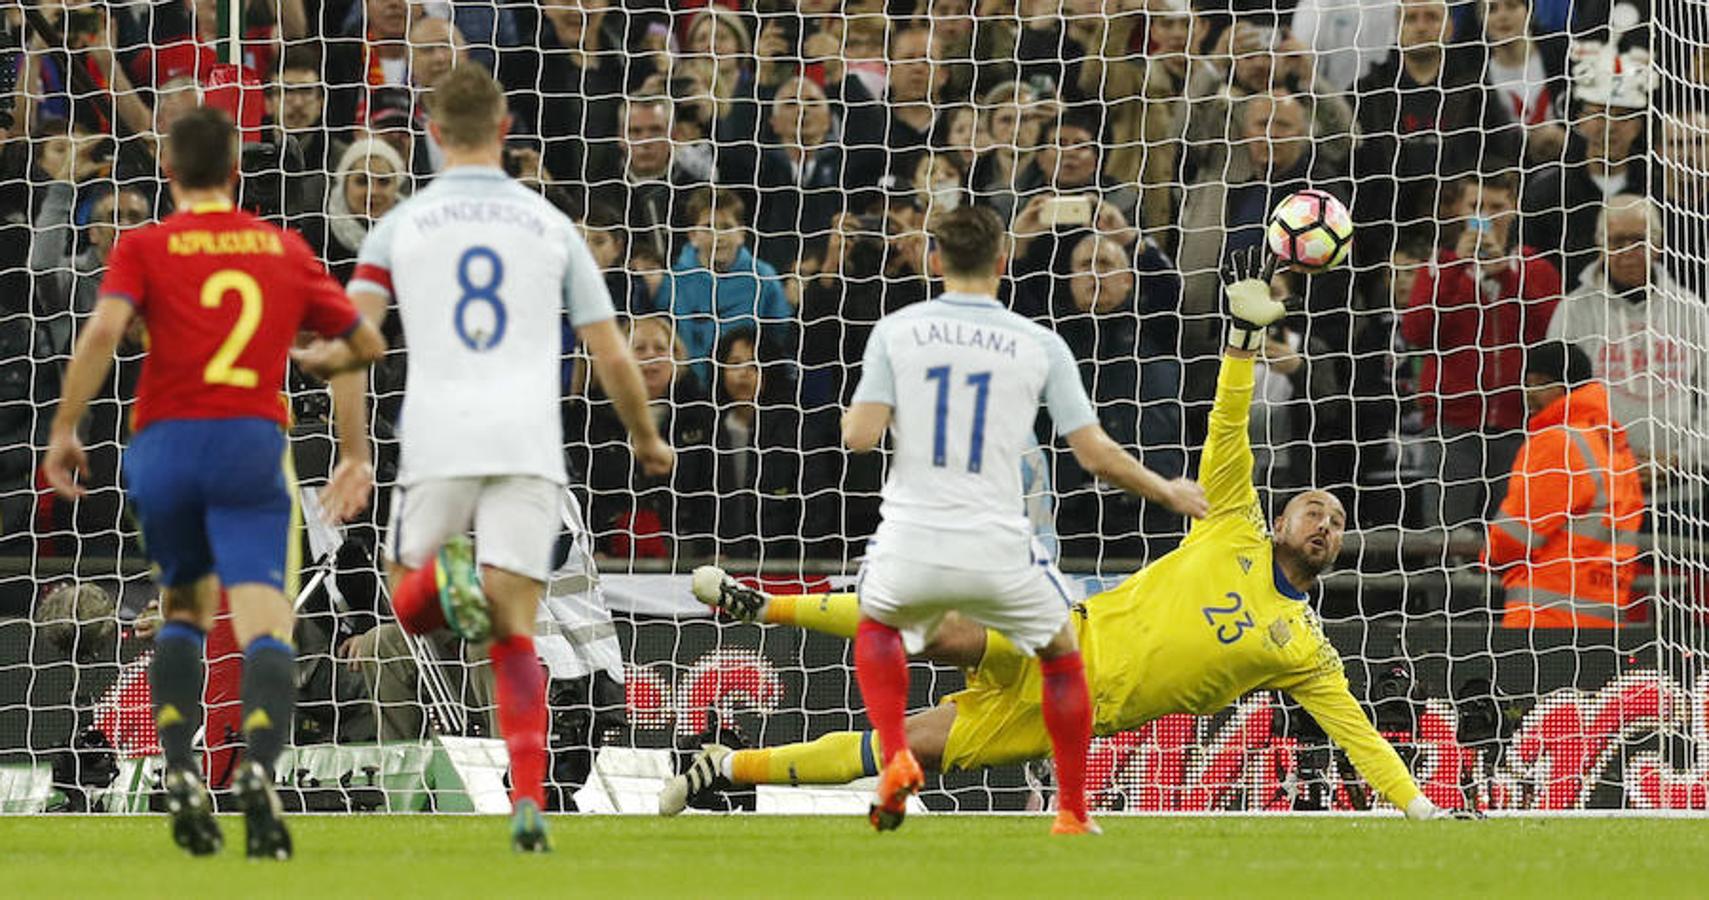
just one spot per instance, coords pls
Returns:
(932, 856)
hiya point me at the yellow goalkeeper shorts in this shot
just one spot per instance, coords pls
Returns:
(999, 718)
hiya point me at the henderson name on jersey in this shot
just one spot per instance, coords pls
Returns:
(483, 270)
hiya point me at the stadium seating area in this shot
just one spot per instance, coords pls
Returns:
(758, 179)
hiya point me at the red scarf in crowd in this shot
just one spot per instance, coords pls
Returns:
(374, 71)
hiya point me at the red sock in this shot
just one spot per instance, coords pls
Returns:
(417, 601)
(1068, 717)
(881, 668)
(522, 715)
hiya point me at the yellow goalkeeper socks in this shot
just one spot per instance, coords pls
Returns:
(836, 758)
(835, 614)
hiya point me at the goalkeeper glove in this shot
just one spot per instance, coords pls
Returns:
(1246, 296)
(1422, 810)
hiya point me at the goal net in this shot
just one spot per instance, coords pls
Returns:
(757, 179)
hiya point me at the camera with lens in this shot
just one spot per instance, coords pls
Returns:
(863, 254)
(513, 154)
(84, 770)
(1483, 715)
(266, 168)
(81, 24)
(11, 48)
(1390, 696)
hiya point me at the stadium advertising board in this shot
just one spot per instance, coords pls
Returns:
(1508, 721)
(1593, 735)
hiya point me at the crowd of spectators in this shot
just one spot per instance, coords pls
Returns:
(758, 178)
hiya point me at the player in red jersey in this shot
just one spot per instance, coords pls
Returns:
(224, 296)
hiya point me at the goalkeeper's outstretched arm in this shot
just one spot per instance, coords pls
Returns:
(1225, 469)
(1251, 307)
(1325, 696)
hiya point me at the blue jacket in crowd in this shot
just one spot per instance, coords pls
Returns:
(705, 304)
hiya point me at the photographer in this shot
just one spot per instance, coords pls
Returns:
(576, 643)
(1044, 234)
(76, 634)
(907, 247)
(1070, 164)
(49, 89)
(844, 296)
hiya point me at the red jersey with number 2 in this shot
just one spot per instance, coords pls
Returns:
(224, 295)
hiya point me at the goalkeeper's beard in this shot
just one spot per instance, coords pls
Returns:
(1304, 559)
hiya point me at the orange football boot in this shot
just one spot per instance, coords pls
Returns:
(1069, 823)
(900, 780)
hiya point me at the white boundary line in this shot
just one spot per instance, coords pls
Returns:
(1351, 816)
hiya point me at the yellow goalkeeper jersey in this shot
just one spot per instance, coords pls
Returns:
(1214, 620)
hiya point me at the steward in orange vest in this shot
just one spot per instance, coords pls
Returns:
(1566, 539)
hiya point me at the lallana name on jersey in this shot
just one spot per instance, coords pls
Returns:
(961, 335)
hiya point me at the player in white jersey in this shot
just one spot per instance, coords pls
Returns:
(958, 382)
(484, 270)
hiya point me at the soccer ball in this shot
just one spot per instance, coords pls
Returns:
(1310, 231)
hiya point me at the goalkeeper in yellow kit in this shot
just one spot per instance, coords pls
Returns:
(1221, 616)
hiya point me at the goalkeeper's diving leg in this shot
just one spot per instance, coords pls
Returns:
(836, 758)
(834, 614)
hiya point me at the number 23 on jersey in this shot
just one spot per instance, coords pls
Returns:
(1230, 621)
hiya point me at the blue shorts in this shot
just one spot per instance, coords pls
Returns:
(212, 496)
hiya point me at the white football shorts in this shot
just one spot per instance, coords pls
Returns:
(1027, 604)
(515, 519)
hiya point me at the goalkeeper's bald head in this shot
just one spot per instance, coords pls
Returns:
(1307, 535)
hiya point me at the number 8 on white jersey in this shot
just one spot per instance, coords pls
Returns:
(484, 271)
